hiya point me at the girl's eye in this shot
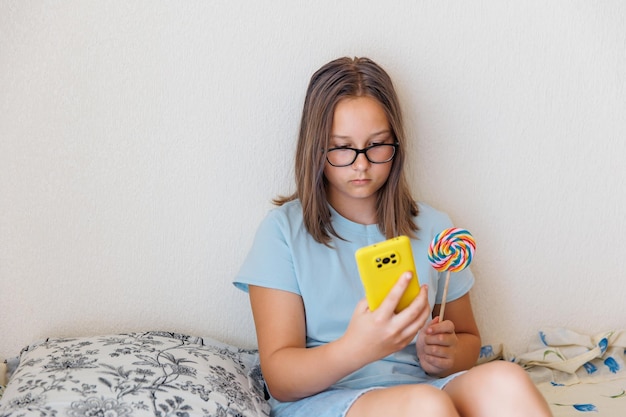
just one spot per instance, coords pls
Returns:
(381, 141)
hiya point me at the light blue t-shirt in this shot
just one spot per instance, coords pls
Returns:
(285, 256)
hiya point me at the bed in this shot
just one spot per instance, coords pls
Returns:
(169, 374)
(605, 399)
(576, 373)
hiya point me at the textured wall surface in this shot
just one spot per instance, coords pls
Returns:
(141, 143)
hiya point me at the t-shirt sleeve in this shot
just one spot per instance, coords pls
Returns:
(269, 262)
(460, 284)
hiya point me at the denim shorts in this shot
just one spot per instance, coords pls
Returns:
(335, 402)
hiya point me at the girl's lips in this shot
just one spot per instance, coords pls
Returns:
(362, 181)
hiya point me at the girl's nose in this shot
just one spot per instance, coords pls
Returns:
(361, 162)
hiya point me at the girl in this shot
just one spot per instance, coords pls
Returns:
(323, 352)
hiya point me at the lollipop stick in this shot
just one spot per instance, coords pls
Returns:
(445, 295)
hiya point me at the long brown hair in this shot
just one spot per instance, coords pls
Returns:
(339, 79)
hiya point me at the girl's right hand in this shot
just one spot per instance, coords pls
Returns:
(372, 335)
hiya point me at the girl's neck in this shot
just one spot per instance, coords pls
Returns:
(358, 213)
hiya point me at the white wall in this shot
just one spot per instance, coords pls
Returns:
(141, 143)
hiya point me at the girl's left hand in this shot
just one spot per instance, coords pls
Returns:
(436, 347)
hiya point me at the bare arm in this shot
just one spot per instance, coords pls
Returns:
(452, 345)
(292, 371)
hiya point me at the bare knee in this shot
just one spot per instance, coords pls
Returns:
(502, 375)
(428, 400)
(404, 400)
(497, 388)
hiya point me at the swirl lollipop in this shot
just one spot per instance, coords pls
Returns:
(451, 250)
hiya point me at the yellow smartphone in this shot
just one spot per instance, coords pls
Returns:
(381, 265)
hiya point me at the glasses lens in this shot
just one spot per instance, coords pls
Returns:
(379, 154)
(341, 157)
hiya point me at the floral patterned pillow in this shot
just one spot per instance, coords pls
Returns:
(137, 374)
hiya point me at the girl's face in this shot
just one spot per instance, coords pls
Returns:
(358, 122)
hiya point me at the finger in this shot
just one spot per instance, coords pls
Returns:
(438, 351)
(417, 323)
(362, 306)
(392, 299)
(437, 327)
(440, 363)
(417, 312)
(440, 344)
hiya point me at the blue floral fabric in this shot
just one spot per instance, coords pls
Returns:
(136, 374)
(600, 399)
(578, 373)
(566, 357)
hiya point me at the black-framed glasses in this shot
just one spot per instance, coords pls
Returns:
(379, 153)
